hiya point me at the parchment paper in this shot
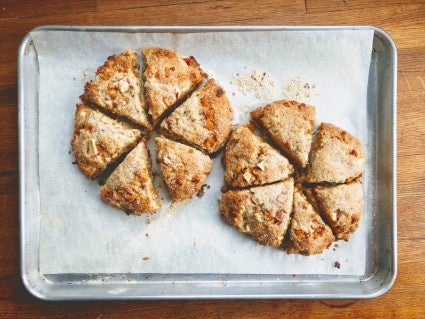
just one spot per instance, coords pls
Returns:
(80, 234)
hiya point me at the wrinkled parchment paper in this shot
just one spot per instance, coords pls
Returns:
(80, 234)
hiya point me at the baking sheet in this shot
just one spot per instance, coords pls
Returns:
(79, 234)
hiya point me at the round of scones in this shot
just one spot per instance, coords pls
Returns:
(293, 189)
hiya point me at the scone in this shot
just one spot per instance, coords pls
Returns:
(290, 125)
(342, 206)
(336, 156)
(249, 161)
(263, 211)
(117, 88)
(130, 186)
(203, 121)
(98, 140)
(308, 233)
(183, 168)
(168, 78)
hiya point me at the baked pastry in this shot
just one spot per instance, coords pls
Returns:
(263, 211)
(168, 78)
(336, 156)
(204, 120)
(290, 125)
(249, 161)
(183, 168)
(98, 140)
(130, 186)
(117, 88)
(308, 233)
(341, 206)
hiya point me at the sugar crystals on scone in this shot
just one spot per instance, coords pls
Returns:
(167, 78)
(262, 211)
(183, 168)
(130, 186)
(342, 206)
(308, 233)
(117, 88)
(336, 156)
(98, 140)
(204, 120)
(249, 161)
(290, 125)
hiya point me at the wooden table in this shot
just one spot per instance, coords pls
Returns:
(403, 20)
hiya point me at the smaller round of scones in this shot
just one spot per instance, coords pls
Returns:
(321, 188)
(293, 189)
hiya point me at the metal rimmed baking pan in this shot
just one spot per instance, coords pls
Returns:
(382, 248)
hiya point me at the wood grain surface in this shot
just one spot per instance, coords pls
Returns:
(404, 20)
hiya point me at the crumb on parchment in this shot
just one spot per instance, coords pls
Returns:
(298, 90)
(258, 82)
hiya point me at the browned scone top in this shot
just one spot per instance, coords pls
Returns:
(204, 120)
(183, 168)
(342, 206)
(263, 212)
(290, 125)
(130, 186)
(168, 78)
(98, 140)
(336, 156)
(117, 88)
(249, 161)
(308, 233)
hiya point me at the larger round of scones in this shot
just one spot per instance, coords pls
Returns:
(292, 189)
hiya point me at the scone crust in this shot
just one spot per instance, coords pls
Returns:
(290, 125)
(99, 140)
(117, 88)
(130, 186)
(168, 78)
(204, 120)
(263, 211)
(308, 233)
(336, 156)
(342, 206)
(183, 168)
(249, 161)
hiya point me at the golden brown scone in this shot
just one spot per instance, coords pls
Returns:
(98, 140)
(263, 212)
(130, 186)
(336, 156)
(183, 168)
(117, 88)
(342, 206)
(308, 233)
(249, 161)
(290, 125)
(168, 78)
(203, 121)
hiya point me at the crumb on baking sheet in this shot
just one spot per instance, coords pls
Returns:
(337, 265)
(298, 90)
(146, 258)
(258, 82)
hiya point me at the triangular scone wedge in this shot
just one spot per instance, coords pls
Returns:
(183, 168)
(117, 88)
(130, 186)
(249, 161)
(336, 156)
(290, 125)
(308, 233)
(342, 206)
(98, 140)
(168, 78)
(263, 212)
(204, 120)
